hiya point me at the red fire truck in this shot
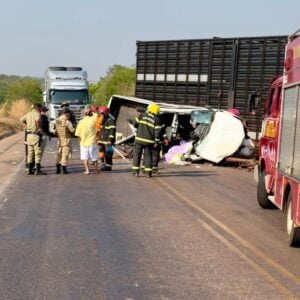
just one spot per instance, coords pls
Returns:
(279, 149)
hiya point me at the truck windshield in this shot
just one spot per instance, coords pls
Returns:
(72, 96)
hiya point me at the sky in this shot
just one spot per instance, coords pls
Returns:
(96, 34)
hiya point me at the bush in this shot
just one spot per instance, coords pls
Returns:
(28, 89)
(10, 115)
(118, 80)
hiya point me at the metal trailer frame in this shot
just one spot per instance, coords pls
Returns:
(218, 72)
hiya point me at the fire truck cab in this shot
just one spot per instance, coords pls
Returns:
(279, 148)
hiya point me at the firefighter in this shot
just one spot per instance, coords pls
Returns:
(32, 120)
(162, 147)
(64, 131)
(107, 137)
(147, 137)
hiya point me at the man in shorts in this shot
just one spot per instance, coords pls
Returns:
(86, 131)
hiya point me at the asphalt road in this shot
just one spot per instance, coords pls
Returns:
(193, 232)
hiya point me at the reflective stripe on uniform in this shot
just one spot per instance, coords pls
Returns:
(144, 140)
(148, 169)
(135, 168)
(147, 124)
(110, 127)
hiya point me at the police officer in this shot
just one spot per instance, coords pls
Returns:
(33, 140)
(107, 138)
(66, 104)
(25, 142)
(64, 131)
(147, 137)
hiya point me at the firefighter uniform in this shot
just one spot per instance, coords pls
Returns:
(64, 131)
(163, 139)
(107, 138)
(33, 140)
(147, 136)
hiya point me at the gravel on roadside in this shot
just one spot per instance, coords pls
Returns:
(12, 154)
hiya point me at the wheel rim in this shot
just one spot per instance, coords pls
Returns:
(289, 221)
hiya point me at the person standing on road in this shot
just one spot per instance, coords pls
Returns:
(147, 137)
(160, 147)
(107, 138)
(25, 142)
(64, 105)
(64, 131)
(45, 128)
(86, 131)
(32, 120)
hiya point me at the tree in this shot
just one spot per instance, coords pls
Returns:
(118, 80)
(26, 88)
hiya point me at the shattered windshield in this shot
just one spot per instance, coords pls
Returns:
(202, 117)
(71, 96)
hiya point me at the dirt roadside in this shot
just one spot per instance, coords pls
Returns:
(12, 152)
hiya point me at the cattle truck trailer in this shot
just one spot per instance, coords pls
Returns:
(221, 73)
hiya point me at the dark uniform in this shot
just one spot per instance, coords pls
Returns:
(107, 138)
(44, 123)
(147, 136)
(160, 147)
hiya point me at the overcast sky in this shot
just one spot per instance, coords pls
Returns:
(96, 34)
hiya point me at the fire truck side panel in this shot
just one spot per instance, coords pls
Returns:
(279, 177)
(296, 202)
(279, 191)
(288, 124)
(269, 137)
(288, 172)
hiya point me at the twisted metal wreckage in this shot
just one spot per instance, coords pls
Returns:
(194, 133)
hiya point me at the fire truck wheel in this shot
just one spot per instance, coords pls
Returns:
(262, 195)
(292, 231)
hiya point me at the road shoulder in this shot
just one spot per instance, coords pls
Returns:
(11, 158)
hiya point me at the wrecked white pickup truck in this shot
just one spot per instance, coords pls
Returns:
(195, 133)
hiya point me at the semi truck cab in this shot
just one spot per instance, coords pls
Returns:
(65, 84)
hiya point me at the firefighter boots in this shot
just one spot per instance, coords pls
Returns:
(135, 174)
(106, 168)
(148, 174)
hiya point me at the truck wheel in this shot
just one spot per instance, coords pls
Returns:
(292, 231)
(262, 195)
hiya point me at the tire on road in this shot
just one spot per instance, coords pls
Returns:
(262, 194)
(293, 233)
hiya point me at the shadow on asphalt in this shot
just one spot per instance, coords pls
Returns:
(186, 174)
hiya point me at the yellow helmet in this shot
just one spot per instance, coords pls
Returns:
(153, 108)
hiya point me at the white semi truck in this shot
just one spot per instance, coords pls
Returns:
(65, 84)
